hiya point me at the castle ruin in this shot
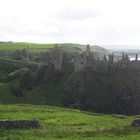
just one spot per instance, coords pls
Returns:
(87, 58)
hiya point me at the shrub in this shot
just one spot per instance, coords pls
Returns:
(17, 91)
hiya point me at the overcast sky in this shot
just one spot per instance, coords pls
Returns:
(76, 21)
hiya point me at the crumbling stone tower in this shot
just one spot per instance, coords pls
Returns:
(45, 58)
(124, 62)
(85, 59)
(57, 57)
(24, 54)
(88, 50)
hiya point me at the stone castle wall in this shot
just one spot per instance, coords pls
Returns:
(87, 59)
(12, 124)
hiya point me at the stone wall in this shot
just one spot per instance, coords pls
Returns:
(57, 57)
(11, 124)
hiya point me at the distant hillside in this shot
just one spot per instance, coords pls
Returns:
(12, 46)
(69, 47)
(79, 47)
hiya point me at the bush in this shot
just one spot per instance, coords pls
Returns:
(17, 91)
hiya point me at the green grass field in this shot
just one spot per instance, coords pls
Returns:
(69, 47)
(67, 124)
(16, 46)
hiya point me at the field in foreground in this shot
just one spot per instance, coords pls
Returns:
(67, 124)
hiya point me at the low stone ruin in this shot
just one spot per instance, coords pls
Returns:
(12, 124)
(136, 123)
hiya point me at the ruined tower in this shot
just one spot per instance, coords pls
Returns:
(136, 57)
(88, 50)
(24, 54)
(111, 58)
(57, 57)
(85, 59)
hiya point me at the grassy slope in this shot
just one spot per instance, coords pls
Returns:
(66, 46)
(67, 124)
(15, 46)
(40, 95)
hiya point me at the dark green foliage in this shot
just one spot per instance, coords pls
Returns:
(107, 89)
(5, 69)
(112, 91)
(48, 74)
(17, 91)
(26, 80)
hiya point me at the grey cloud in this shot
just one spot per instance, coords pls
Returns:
(110, 35)
(77, 14)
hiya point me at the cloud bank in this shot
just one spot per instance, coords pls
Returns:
(76, 21)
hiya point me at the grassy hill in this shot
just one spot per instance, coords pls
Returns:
(42, 94)
(67, 124)
(12, 46)
(15, 46)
